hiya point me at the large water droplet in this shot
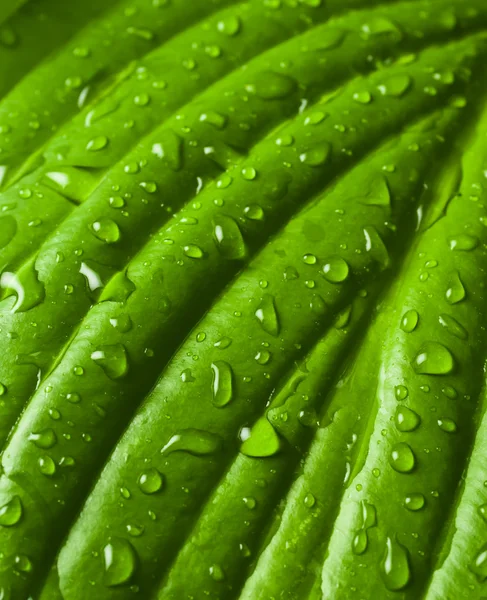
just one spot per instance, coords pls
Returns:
(150, 481)
(266, 313)
(193, 441)
(228, 238)
(11, 512)
(414, 501)
(402, 458)
(106, 230)
(222, 384)
(44, 439)
(396, 86)
(479, 564)
(453, 326)
(261, 441)
(112, 359)
(395, 568)
(120, 561)
(455, 292)
(29, 290)
(336, 269)
(316, 156)
(406, 419)
(269, 85)
(410, 321)
(433, 359)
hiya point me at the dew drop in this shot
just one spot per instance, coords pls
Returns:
(410, 321)
(414, 501)
(479, 564)
(193, 441)
(11, 512)
(433, 359)
(112, 359)
(47, 466)
(222, 384)
(463, 242)
(98, 143)
(316, 156)
(455, 292)
(406, 419)
(266, 314)
(269, 85)
(261, 441)
(193, 251)
(395, 568)
(106, 230)
(336, 269)
(447, 425)
(151, 481)
(402, 458)
(228, 238)
(44, 439)
(120, 561)
(395, 86)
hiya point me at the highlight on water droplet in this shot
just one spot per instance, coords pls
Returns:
(112, 359)
(402, 458)
(11, 512)
(395, 569)
(336, 269)
(410, 321)
(120, 560)
(222, 384)
(193, 441)
(260, 441)
(266, 314)
(433, 359)
(150, 481)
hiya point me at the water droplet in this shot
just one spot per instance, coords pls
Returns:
(433, 359)
(249, 173)
(261, 441)
(263, 357)
(395, 568)
(222, 384)
(98, 143)
(11, 512)
(106, 230)
(93, 279)
(122, 323)
(47, 466)
(22, 563)
(250, 502)
(223, 343)
(229, 25)
(120, 561)
(254, 212)
(213, 118)
(410, 321)
(401, 392)
(309, 500)
(142, 99)
(396, 86)
(447, 425)
(336, 269)
(369, 519)
(375, 246)
(316, 156)
(271, 86)
(310, 259)
(463, 242)
(414, 501)
(151, 481)
(170, 149)
(44, 439)
(112, 359)
(193, 251)
(406, 419)
(455, 292)
(216, 573)
(266, 313)
(479, 564)
(402, 458)
(228, 238)
(29, 290)
(193, 441)
(363, 97)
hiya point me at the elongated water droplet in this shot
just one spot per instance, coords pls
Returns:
(269, 85)
(120, 561)
(336, 269)
(395, 568)
(447, 425)
(433, 359)
(375, 246)
(228, 238)
(98, 143)
(193, 441)
(463, 242)
(369, 519)
(11, 512)
(151, 481)
(453, 326)
(261, 441)
(266, 313)
(402, 458)
(170, 149)
(410, 321)
(222, 384)
(479, 564)
(316, 156)
(112, 359)
(193, 251)
(455, 291)
(395, 86)
(47, 466)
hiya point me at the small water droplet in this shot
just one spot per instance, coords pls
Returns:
(193, 251)
(98, 143)
(269, 85)
(362, 97)
(47, 466)
(395, 86)
(229, 25)
(44, 439)
(401, 392)
(216, 573)
(447, 425)
(456, 291)
(316, 156)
